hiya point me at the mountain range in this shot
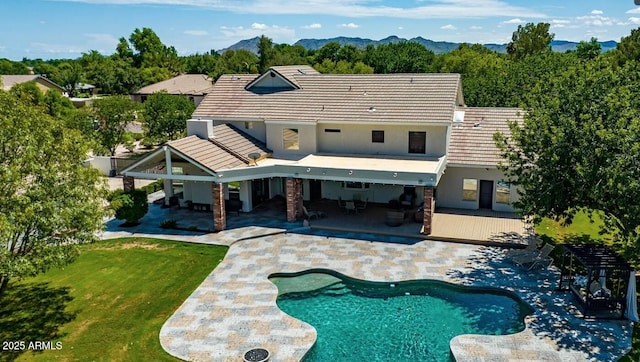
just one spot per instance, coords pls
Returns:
(438, 47)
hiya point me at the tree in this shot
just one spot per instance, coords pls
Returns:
(9, 67)
(579, 149)
(130, 206)
(68, 75)
(401, 57)
(50, 202)
(529, 40)
(265, 53)
(629, 47)
(113, 114)
(165, 116)
(588, 50)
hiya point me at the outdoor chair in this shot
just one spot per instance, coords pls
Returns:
(532, 248)
(541, 258)
(351, 206)
(361, 205)
(341, 204)
(311, 214)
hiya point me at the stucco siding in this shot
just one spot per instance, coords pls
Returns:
(306, 139)
(358, 139)
(449, 192)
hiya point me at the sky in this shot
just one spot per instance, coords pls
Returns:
(60, 29)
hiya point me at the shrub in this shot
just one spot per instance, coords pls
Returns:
(130, 206)
(169, 224)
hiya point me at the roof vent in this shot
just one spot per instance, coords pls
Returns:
(301, 71)
(372, 109)
(458, 116)
(476, 125)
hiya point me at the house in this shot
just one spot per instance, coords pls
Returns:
(304, 135)
(44, 84)
(194, 86)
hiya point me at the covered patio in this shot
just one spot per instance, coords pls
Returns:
(455, 225)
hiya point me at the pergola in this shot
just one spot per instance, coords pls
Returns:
(602, 282)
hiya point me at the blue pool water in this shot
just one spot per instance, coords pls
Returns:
(411, 321)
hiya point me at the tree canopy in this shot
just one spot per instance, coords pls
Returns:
(165, 116)
(112, 115)
(49, 200)
(579, 149)
(529, 40)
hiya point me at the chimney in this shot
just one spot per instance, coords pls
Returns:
(202, 128)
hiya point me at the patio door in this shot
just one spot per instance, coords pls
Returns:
(315, 190)
(259, 191)
(486, 194)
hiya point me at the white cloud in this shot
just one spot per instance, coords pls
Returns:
(448, 27)
(597, 12)
(259, 26)
(634, 11)
(55, 48)
(596, 20)
(257, 29)
(634, 20)
(312, 26)
(401, 28)
(514, 21)
(349, 8)
(196, 32)
(475, 27)
(350, 26)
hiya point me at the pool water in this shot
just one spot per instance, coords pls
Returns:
(408, 321)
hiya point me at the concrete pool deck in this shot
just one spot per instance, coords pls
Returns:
(234, 308)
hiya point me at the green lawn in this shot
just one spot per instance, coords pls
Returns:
(108, 305)
(583, 230)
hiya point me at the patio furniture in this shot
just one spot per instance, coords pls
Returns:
(341, 204)
(350, 206)
(311, 214)
(541, 258)
(394, 218)
(532, 248)
(233, 206)
(361, 205)
(599, 279)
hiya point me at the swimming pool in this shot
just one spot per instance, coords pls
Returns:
(410, 321)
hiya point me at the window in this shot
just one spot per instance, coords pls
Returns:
(177, 170)
(331, 130)
(417, 142)
(503, 192)
(290, 139)
(469, 189)
(377, 136)
(356, 185)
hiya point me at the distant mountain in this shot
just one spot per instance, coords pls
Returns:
(437, 47)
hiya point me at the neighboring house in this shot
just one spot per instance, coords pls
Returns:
(85, 88)
(194, 86)
(303, 135)
(41, 82)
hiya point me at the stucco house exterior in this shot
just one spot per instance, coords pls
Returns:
(193, 86)
(304, 135)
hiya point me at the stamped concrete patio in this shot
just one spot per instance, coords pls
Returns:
(234, 308)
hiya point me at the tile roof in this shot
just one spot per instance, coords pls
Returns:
(229, 148)
(8, 81)
(194, 84)
(472, 141)
(423, 98)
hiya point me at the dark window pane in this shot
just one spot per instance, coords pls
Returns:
(417, 142)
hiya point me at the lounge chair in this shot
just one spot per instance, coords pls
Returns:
(532, 248)
(541, 258)
(361, 205)
(351, 206)
(311, 214)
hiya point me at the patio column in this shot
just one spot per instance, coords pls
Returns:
(128, 183)
(294, 198)
(219, 212)
(429, 207)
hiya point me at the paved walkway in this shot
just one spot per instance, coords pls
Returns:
(234, 308)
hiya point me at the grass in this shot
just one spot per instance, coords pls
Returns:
(108, 305)
(582, 230)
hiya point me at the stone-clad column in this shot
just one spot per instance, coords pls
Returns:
(219, 212)
(128, 183)
(294, 198)
(429, 207)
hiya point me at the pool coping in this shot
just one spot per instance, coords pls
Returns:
(234, 308)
